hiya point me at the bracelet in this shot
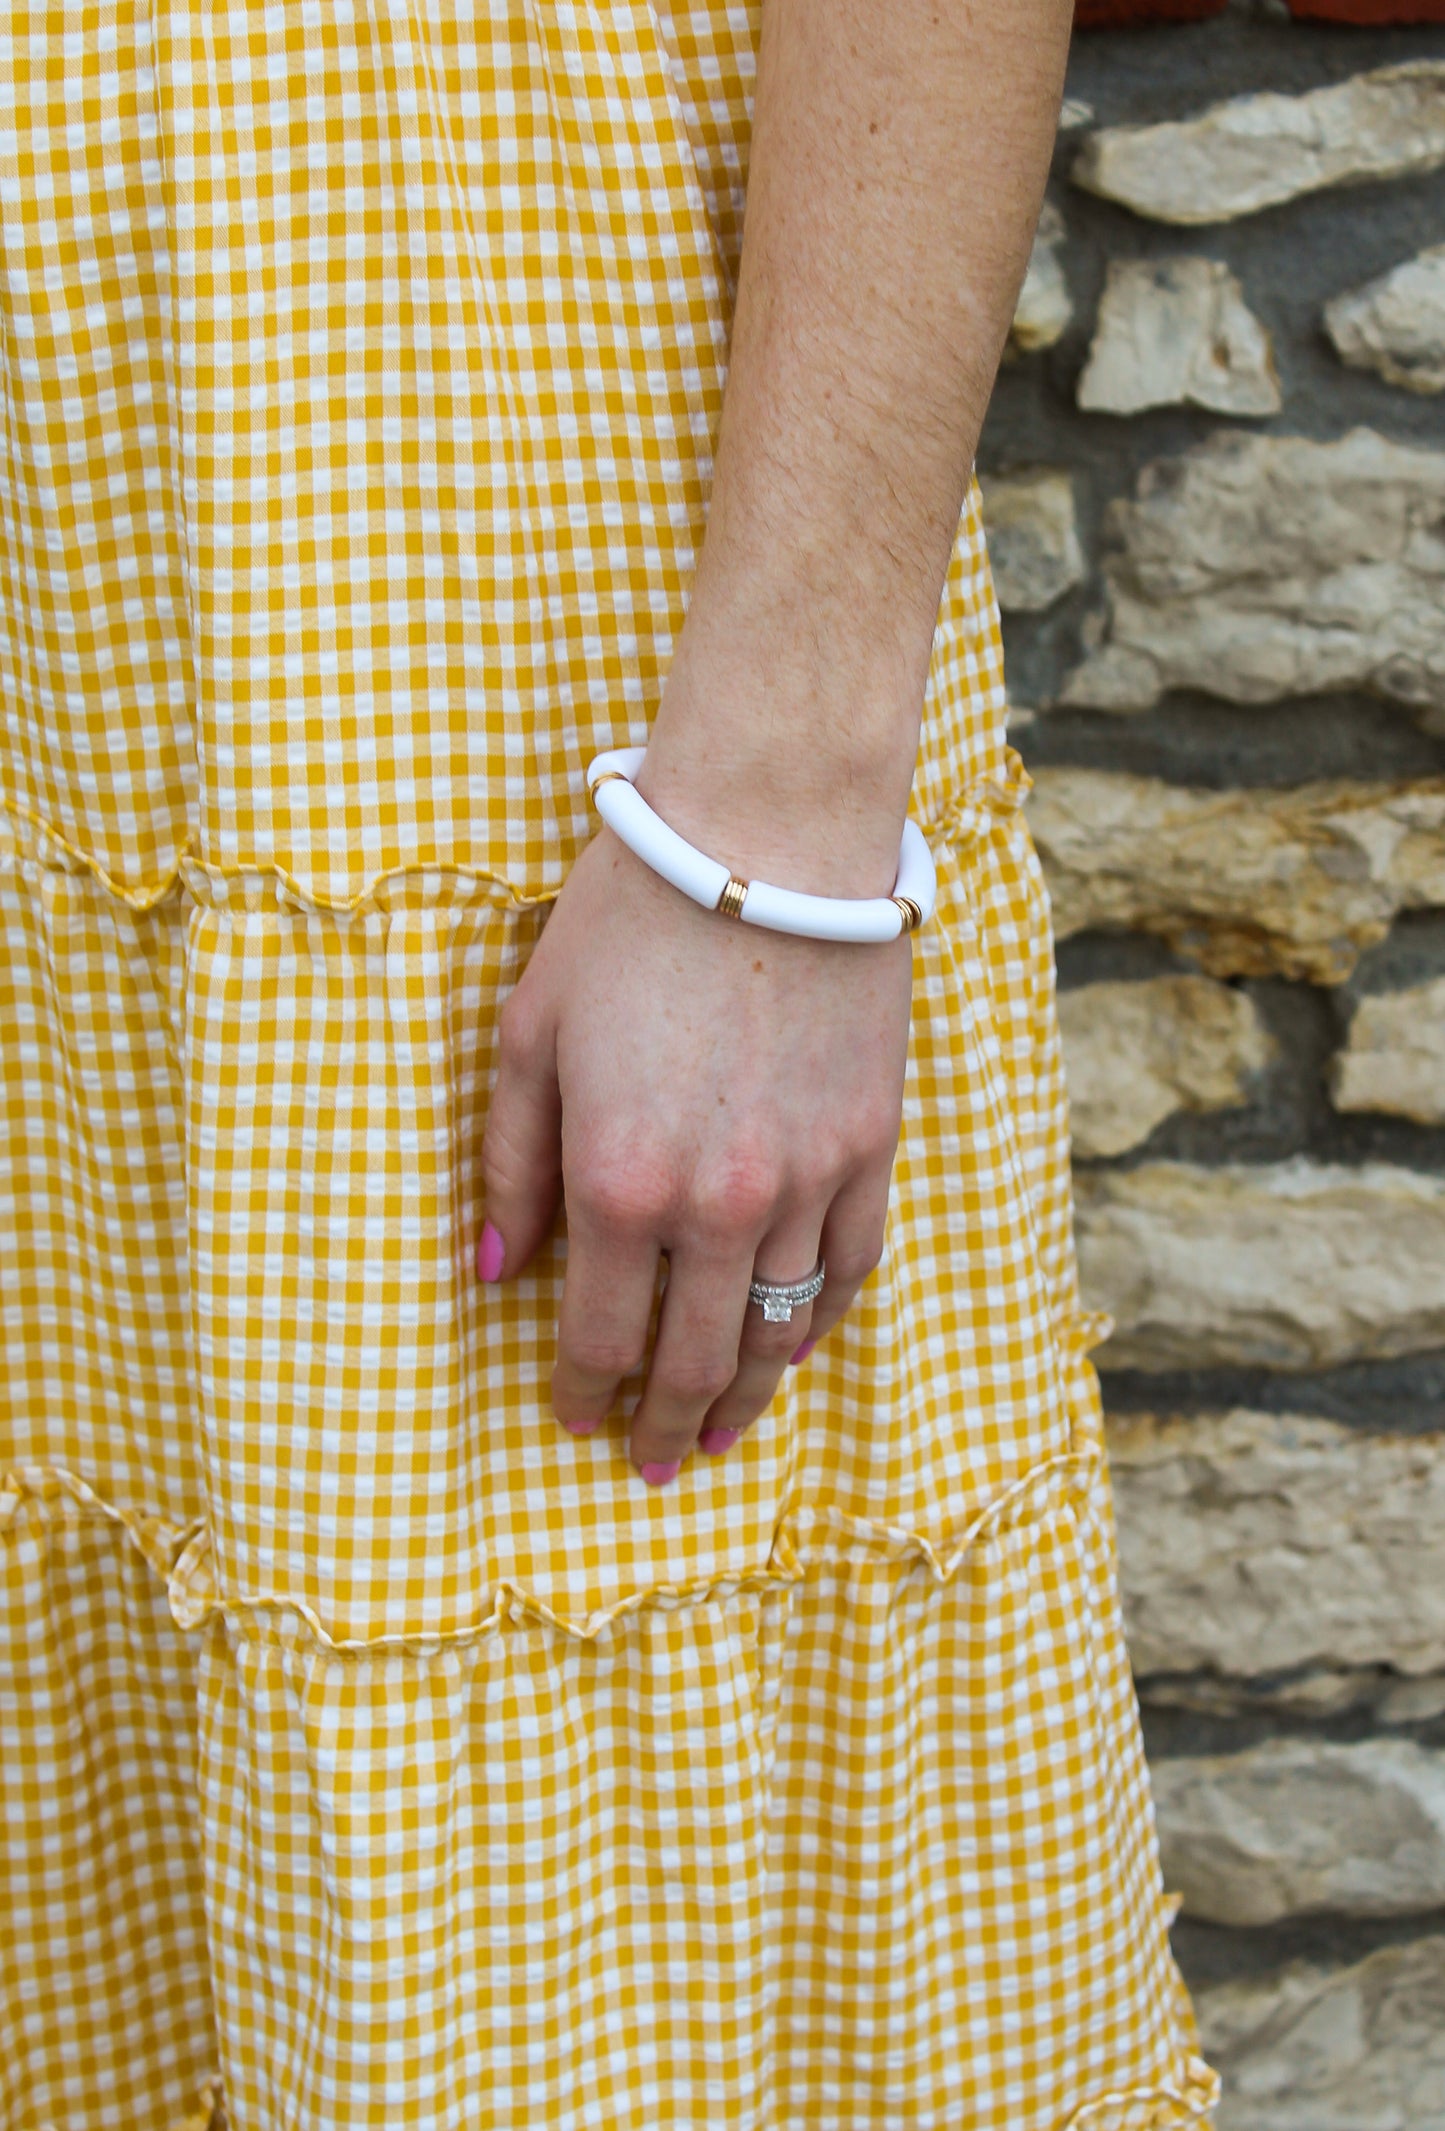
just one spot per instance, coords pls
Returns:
(866, 919)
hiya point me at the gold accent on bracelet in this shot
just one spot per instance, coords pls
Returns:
(606, 778)
(912, 914)
(730, 902)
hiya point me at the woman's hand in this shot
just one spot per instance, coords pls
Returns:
(729, 1096)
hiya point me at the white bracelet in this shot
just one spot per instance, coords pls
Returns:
(816, 917)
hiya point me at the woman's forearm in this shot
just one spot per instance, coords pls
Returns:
(899, 154)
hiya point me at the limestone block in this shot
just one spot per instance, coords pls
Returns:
(1313, 2049)
(1177, 332)
(1396, 325)
(1258, 150)
(1033, 538)
(1044, 309)
(1261, 567)
(1412, 1702)
(1394, 1056)
(1290, 1265)
(1294, 1827)
(1293, 883)
(1137, 1053)
(1255, 1543)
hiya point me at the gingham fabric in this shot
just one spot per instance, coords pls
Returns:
(374, 1753)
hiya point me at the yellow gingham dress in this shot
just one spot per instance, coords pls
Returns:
(374, 1753)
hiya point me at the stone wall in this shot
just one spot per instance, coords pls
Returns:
(1214, 473)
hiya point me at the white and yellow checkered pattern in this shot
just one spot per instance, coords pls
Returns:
(374, 1753)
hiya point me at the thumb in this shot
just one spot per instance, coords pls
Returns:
(521, 1148)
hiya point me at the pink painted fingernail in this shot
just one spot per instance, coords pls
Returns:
(716, 1440)
(659, 1475)
(490, 1252)
(581, 1427)
(804, 1351)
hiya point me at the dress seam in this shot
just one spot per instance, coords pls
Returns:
(1196, 2093)
(145, 897)
(181, 1555)
(983, 801)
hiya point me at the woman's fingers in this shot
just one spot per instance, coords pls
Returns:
(606, 1309)
(696, 1354)
(851, 1245)
(521, 1145)
(788, 1253)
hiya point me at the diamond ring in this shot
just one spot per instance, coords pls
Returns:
(780, 1298)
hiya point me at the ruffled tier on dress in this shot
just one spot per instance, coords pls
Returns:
(489, 1786)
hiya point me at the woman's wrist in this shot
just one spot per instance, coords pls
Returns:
(772, 800)
(785, 744)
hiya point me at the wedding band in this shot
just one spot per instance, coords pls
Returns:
(780, 1298)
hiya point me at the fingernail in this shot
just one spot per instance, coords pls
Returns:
(581, 1427)
(659, 1475)
(490, 1252)
(716, 1440)
(803, 1352)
